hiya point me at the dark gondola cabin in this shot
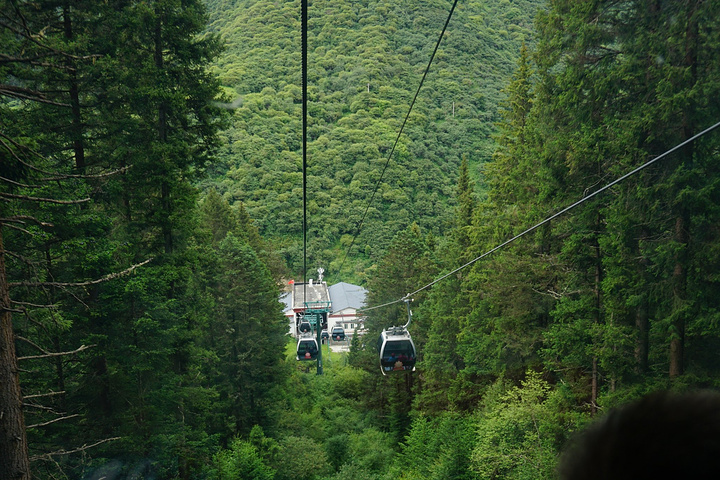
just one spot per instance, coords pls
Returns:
(338, 333)
(397, 350)
(304, 327)
(307, 348)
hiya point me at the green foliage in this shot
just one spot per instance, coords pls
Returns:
(301, 458)
(113, 101)
(520, 430)
(351, 471)
(438, 447)
(365, 62)
(371, 450)
(240, 461)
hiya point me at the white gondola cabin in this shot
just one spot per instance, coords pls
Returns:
(397, 350)
(307, 348)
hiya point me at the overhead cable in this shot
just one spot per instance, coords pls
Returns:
(303, 41)
(552, 217)
(397, 139)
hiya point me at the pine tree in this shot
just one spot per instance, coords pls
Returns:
(620, 84)
(75, 107)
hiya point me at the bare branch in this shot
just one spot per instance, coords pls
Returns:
(90, 176)
(556, 295)
(15, 227)
(46, 200)
(106, 278)
(55, 420)
(30, 342)
(21, 147)
(34, 305)
(56, 354)
(35, 61)
(49, 394)
(48, 456)
(22, 218)
(33, 321)
(13, 310)
(17, 184)
(40, 407)
(27, 94)
(25, 260)
(79, 300)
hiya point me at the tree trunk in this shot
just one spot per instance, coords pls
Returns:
(642, 341)
(682, 219)
(597, 293)
(677, 339)
(14, 462)
(76, 128)
(162, 126)
(642, 319)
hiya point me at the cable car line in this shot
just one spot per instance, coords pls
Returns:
(550, 218)
(303, 41)
(397, 139)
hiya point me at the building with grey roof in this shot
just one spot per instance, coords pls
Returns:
(345, 300)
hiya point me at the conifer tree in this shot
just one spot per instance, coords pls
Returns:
(622, 87)
(75, 107)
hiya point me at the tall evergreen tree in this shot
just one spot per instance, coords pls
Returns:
(628, 89)
(75, 105)
(446, 307)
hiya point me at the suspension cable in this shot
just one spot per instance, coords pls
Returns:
(303, 41)
(550, 218)
(397, 139)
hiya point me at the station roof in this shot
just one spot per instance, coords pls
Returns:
(346, 295)
(316, 292)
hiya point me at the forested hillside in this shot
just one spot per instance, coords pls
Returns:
(150, 212)
(365, 63)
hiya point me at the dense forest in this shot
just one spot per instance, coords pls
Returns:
(365, 62)
(150, 214)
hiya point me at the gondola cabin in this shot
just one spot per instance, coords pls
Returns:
(338, 333)
(304, 327)
(307, 348)
(397, 350)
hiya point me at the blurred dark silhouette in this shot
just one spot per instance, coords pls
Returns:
(663, 435)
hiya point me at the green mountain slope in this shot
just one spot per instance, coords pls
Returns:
(365, 62)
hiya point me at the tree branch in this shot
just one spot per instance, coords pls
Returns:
(52, 421)
(27, 94)
(34, 305)
(12, 310)
(48, 456)
(40, 407)
(17, 184)
(106, 278)
(15, 227)
(35, 61)
(95, 176)
(52, 176)
(30, 342)
(22, 218)
(32, 37)
(45, 200)
(56, 354)
(49, 394)
(25, 260)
